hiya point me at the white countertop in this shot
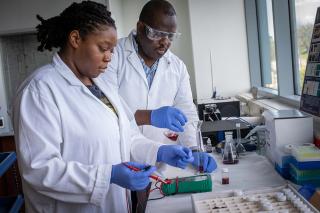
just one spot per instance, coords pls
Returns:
(253, 171)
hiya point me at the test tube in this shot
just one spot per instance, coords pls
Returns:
(200, 146)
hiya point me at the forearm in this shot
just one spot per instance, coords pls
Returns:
(143, 117)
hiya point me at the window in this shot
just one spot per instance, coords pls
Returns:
(267, 44)
(279, 33)
(303, 15)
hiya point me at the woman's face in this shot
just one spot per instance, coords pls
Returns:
(94, 52)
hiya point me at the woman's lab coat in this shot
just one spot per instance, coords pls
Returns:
(67, 141)
(170, 87)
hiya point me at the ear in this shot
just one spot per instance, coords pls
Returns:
(140, 27)
(74, 38)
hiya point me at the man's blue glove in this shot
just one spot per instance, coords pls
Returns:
(168, 117)
(175, 155)
(129, 179)
(205, 160)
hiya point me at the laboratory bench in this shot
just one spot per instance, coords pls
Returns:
(253, 171)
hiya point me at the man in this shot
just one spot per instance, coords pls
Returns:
(153, 81)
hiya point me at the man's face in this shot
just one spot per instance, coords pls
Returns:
(152, 48)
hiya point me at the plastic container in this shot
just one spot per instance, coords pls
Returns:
(306, 152)
(304, 175)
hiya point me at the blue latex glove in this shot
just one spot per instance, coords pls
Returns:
(205, 160)
(129, 179)
(175, 155)
(168, 117)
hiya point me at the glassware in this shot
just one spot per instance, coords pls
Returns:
(171, 135)
(230, 155)
(239, 146)
(200, 146)
(225, 176)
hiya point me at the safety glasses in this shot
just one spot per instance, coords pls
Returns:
(156, 35)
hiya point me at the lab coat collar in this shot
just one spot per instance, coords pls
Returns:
(65, 71)
(129, 47)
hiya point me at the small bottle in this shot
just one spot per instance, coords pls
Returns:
(209, 146)
(225, 176)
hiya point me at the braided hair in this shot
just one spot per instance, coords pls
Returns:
(85, 17)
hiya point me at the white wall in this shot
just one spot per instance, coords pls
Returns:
(18, 16)
(218, 26)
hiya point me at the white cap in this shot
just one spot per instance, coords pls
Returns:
(225, 169)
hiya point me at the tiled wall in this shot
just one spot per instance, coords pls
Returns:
(20, 57)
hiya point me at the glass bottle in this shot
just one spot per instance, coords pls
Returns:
(230, 155)
(239, 146)
(225, 176)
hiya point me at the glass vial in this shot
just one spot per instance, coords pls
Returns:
(225, 176)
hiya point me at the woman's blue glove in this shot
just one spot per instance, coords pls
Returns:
(168, 117)
(205, 160)
(129, 179)
(175, 155)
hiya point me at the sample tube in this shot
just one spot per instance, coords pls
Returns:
(225, 176)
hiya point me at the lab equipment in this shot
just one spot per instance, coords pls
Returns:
(257, 200)
(225, 176)
(208, 164)
(239, 146)
(191, 184)
(286, 126)
(200, 146)
(175, 155)
(124, 177)
(171, 135)
(208, 146)
(154, 177)
(230, 155)
(168, 117)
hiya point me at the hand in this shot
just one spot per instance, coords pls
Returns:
(175, 155)
(205, 160)
(168, 117)
(129, 179)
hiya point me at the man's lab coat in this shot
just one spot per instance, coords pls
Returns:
(67, 141)
(170, 87)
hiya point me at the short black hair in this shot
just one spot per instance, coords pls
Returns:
(85, 17)
(149, 10)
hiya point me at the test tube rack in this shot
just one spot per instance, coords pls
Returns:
(283, 199)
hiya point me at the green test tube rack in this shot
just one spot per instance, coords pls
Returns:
(192, 184)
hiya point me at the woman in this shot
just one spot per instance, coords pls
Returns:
(72, 132)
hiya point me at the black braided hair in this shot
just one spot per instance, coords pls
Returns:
(85, 17)
(149, 10)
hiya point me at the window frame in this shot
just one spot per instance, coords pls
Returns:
(286, 54)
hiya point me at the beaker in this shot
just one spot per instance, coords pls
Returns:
(171, 135)
(230, 155)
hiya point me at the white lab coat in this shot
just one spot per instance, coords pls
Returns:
(67, 141)
(170, 87)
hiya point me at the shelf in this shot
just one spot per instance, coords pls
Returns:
(11, 204)
(6, 160)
